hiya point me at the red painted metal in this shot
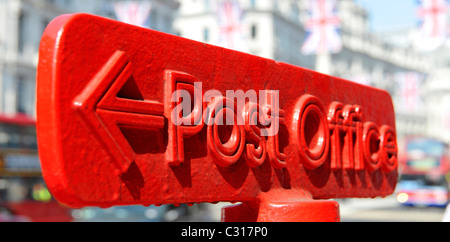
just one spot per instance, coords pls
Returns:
(106, 136)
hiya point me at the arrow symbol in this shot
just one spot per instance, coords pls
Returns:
(103, 109)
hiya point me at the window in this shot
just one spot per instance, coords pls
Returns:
(14, 136)
(254, 31)
(25, 96)
(45, 23)
(154, 19)
(21, 32)
(205, 34)
(21, 99)
(67, 3)
(8, 95)
(295, 12)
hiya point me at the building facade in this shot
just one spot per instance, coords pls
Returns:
(274, 29)
(22, 23)
(369, 59)
(266, 28)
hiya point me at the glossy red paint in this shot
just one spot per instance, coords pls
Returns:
(105, 134)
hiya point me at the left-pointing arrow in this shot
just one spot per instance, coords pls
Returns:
(103, 111)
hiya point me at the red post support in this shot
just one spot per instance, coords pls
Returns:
(283, 208)
(127, 115)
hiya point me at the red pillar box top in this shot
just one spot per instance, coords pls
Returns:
(128, 115)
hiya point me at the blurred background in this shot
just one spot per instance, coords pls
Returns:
(401, 46)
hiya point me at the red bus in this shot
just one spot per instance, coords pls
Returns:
(23, 193)
(424, 173)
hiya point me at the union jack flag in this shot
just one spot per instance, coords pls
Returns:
(322, 28)
(363, 79)
(230, 18)
(409, 90)
(434, 17)
(133, 12)
(433, 23)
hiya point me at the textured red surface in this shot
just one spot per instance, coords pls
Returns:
(286, 211)
(106, 138)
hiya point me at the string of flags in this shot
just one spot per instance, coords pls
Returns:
(433, 27)
(409, 94)
(323, 28)
(133, 12)
(230, 16)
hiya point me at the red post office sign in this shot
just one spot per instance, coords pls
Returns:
(128, 115)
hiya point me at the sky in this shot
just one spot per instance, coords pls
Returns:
(391, 13)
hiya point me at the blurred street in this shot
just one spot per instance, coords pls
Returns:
(386, 210)
(357, 210)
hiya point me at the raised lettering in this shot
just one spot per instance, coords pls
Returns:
(176, 81)
(310, 131)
